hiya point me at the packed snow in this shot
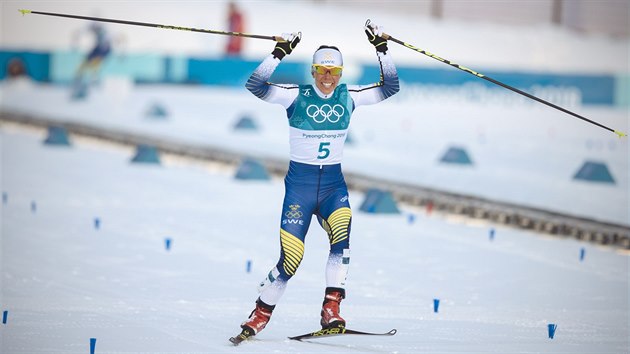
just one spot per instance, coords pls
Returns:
(65, 281)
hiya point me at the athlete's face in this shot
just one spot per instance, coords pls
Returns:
(326, 78)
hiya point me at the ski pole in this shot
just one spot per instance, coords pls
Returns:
(482, 76)
(155, 25)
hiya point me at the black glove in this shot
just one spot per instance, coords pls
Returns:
(286, 47)
(377, 41)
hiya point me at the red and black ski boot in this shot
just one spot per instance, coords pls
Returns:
(330, 309)
(256, 322)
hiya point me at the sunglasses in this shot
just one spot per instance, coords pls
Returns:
(323, 69)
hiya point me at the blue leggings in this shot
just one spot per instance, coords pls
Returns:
(313, 190)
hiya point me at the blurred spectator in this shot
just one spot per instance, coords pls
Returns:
(236, 23)
(91, 64)
(16, 68)
(100, 51)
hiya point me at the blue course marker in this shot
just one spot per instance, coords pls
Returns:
(551, 328)
(167, 244)
(436, 305)
(249, 266)
(92, 345)
(5, 315)
(582, 253)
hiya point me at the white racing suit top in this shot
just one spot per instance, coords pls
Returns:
(319, 122)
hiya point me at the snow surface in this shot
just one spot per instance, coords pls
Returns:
(64, 282)
(523, 152)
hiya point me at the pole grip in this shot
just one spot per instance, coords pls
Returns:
(281, 39)
(385, 36)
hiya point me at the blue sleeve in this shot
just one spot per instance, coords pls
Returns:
(389, 75)
(258, 84)
(377, 92)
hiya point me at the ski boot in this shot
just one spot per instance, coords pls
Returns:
(330, 309)
(257, 320)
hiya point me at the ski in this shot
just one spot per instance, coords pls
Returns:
(244, 335)
(337, 331)
(326, 332)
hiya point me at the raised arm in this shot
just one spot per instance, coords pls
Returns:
(388, 84)
(258, 83)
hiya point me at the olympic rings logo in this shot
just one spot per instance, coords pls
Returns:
(294, 213)
(325, 112)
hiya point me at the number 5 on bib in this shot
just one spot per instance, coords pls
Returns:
(323, 150)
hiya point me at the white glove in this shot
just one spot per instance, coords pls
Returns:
(289, 37)
(374, 33)
(374, 28)
(286, 46)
